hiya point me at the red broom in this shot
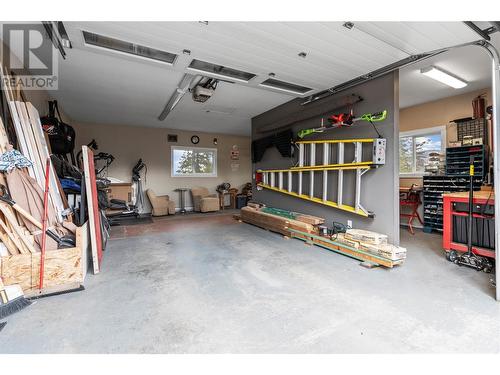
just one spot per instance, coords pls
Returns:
(44, 221)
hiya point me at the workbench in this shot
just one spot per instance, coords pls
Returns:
(455, 209)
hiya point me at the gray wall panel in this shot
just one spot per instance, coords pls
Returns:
(380, 186)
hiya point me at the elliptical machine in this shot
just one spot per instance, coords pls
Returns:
(136, 179)
(130, 210)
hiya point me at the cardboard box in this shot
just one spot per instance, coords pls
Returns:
(477, 141)
(367, 236)
(341, 239)
(122, 191)
(467, 140)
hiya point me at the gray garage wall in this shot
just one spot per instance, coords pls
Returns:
(380, 186)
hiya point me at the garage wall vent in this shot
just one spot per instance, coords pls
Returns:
(285, 86)
(129, 48)
(220, 71)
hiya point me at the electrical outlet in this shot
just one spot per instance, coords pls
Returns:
(349, 223)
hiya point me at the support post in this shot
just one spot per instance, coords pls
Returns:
(495, 88)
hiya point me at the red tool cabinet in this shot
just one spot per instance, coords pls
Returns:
(481, 198)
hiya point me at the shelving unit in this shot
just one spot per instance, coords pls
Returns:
(433, 189)
(458, 159)
(477, 128)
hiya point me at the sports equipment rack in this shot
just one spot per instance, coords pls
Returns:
(274, 179)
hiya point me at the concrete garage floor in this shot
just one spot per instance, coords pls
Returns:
(213, 285)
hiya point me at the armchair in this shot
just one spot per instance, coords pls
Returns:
(203, 201)
(161, 204)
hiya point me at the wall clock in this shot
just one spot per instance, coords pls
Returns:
(195, 139)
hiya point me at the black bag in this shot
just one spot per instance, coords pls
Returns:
(61, 135)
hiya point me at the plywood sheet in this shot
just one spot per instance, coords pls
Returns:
(93, 208)
(62, 267)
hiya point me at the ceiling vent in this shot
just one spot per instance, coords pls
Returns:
(220, 71)
(129, 48)
(285, 86)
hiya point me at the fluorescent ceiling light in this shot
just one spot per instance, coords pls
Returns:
(220, 71)
(129, 48)
(285, 86)
(443, 77)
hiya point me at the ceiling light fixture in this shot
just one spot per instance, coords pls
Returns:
(285, 86)
(220, 71)
(443, 77)
(117, 45)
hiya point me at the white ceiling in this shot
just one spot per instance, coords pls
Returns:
(469, 63)
(101, 86)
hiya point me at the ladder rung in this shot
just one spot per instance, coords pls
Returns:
(315, 167)
(344, 207)
(363, 140)
(320, 168)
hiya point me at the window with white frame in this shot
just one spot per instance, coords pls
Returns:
(415, 147)
(194, 162)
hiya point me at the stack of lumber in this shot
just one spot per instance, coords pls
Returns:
(372, 242)
(314, 220)
(20, 220)
(32, 144)
(275, 223)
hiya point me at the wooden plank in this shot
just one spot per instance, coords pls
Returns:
(21, 140)
(346, 250)
(14, 238)
(260, 224)
(93, 208)
(31, 150)
(4, 139)
(23, 148)
(17, 229)
(38, 134)
(8, 243)
(274, 221)
(314, 220)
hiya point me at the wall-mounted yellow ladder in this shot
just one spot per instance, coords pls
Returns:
(332, 160)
